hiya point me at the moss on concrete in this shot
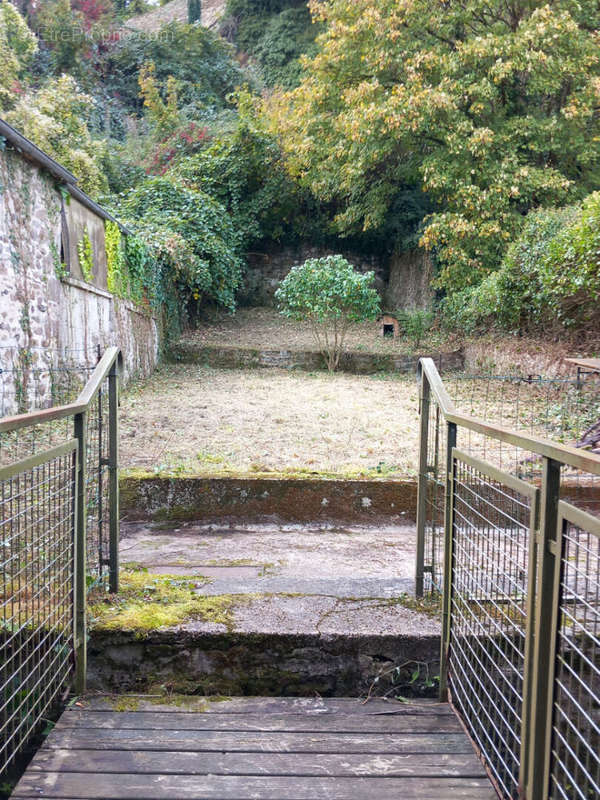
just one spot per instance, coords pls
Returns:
(148, 602)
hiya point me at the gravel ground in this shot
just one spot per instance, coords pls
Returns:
(195, 419)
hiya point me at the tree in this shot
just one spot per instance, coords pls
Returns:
(491, 106)
(54, 118)
(18, 46)
(242, 168)
(330, 295)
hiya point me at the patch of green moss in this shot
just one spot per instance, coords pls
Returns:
(126, 703)
(147, 602)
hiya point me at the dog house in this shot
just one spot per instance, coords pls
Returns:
(390, 325)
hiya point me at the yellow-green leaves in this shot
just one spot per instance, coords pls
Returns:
(490, 108)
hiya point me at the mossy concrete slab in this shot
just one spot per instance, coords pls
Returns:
(297, 610)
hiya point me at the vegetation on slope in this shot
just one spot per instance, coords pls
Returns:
(467, 127)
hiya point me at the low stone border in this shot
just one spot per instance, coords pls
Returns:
(294, 500)
(354, 362)
(253, 664)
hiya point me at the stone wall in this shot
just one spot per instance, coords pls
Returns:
(145, 496)
(267, 269)
(403, 280)
(49, 320)
(357, 363)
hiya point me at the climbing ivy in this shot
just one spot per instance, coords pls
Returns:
(85, 253)
(116, 266)
(60, 268)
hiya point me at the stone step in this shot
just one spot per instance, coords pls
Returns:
(281, 609)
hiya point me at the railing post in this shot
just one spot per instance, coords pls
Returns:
(448, 545)
(424, 396)
(80, 592)
(539, 684)
(113, 477)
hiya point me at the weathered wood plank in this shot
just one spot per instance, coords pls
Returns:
(261, 705)
(300, 764)
(220, 787)
(266, 742)
(150, 721)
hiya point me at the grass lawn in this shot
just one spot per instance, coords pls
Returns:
(194, 419)
(265, 328)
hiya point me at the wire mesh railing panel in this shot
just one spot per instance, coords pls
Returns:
(493, 515)
(37, 519)
(575, 753)
(434, 499)
(97, 485)
(564, 410)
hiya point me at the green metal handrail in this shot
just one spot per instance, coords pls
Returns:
(486, 493)
(579, 459)
(111, 361)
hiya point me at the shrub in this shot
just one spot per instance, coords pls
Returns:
(549, 277)
(330, 295)
(569, 274)
(416, 323)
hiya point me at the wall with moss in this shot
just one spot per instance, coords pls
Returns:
(52, 315)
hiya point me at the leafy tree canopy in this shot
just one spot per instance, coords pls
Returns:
(18, 46)
(55, 119)
(492, 107)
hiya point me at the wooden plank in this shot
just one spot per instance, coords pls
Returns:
(152, 721)
(266, 742)
(261, 705)
(587, 363)
(230, 787)
(301, 764)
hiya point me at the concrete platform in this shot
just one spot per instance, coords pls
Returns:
(292, 579)
(310, 609)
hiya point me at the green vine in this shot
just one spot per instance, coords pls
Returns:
(116, 266)
(85, 252)
(60, 268)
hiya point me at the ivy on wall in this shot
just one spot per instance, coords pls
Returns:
(116, 267)
(85, 253)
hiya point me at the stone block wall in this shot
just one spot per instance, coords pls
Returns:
(403, 280)
(267, 269)
(48, 320)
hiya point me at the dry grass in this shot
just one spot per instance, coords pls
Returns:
(265, 328)
(198, 420)
(204, 421)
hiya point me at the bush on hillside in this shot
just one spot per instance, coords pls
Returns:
(549, 278)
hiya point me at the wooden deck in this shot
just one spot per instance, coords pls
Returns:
(262, 748)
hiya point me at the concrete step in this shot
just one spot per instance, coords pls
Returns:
(284, 609)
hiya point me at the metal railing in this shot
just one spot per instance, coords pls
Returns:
(59, 525)
(519, 572)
